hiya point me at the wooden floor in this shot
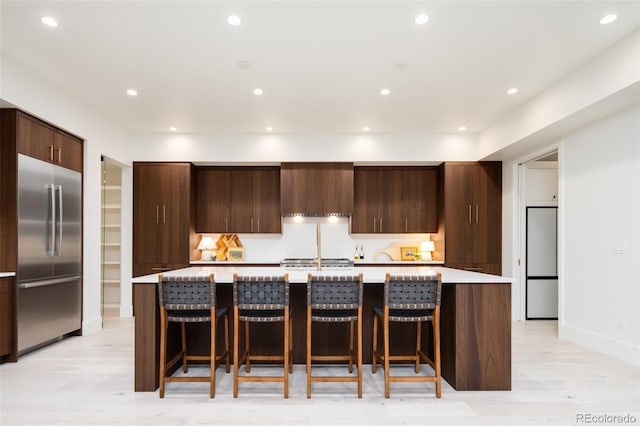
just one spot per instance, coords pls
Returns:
(89, 380)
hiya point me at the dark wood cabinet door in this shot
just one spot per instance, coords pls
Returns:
(316, 188)
(365, 200)
(212, 199)
(241, 201)
(68, 151)
(458, 187)
(174, 185)
(6, 316)
(147, 213)
(487, 213)
(35, 139)
(392, 219)
(420, 200)
(266, 202)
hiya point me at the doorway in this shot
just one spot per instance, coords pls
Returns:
(538, 236)
(111, 238)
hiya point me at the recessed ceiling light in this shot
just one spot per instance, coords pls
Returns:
(234, 20)
(173, 129)
(462, 128)
(257, 92)
(244, 65)
(607, 19)
(421, 19)
(49, 21)
(269, 129)
(385, 92)
(365, 129)
(512, 91)
(132, 92)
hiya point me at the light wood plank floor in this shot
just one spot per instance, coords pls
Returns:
(89, 380)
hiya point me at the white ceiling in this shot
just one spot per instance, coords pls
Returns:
(321, 64)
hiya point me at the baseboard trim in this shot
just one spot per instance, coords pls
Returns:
(92, 325)
(600, 343)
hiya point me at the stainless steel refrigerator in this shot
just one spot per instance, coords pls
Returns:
(49, 252)
(542, 263)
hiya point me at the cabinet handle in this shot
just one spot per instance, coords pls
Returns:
(59, 155)
(258, 230)
(474, 269)
(406, 224)
(164, 213)
(251, 224)
(476, 213)
(50, 152)
(380, 225)
(226, 224)
(469, 213)
(160, 269)
(157, 214)
(374, 224)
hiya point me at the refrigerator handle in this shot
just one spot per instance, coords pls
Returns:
(59, 234)
(51, 240)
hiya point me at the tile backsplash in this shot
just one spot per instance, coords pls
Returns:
(298, 240)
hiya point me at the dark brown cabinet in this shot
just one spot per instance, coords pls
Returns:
(44, 142)
(395, 200)
(7, 329)
(473, 216)
(162, 206)
(238, 200)
(316, 188)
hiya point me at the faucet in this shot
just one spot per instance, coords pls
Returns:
(318, 247)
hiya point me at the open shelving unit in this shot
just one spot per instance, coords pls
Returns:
(111, 249)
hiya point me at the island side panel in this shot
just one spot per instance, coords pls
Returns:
(482, 337)
(147, 336)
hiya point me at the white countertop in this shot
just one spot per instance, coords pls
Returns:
(277, 263)
(371, 274)
(7, 274)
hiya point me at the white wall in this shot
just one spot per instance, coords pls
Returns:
(599, 214)
(256, 148)
(26, 90)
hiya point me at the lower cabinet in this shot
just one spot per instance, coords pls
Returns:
(140, 269)
(7, 320)
(483, 268)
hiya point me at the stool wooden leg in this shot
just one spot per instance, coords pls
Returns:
(226, 342)
(286, 352)
(185, 367)
(374, 358)
(418, 342)
(247, 365)
(350, 347)
(436, 350)
(212, 357)
(308, 351)
(163, 349)
(385, 331)
(290, 344)
(360, 352)
(236, 326)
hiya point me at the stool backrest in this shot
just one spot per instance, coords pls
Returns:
(261, 292)
(412, 291)
(182, 293)
(334, 292)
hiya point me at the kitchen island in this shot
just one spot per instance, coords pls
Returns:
(475, 322)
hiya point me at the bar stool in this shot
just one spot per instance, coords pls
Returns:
(188, 300)
(261, 299)
(335, 299)
(409, 299)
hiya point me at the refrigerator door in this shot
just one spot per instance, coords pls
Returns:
(541, 242)
(36, 210)
(68, 235)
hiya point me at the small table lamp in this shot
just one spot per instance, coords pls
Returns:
(208, 247)
(426, 247)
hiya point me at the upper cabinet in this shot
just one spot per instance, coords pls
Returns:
(238, 200)
(44, 142)
(162, 206)
(542, 183)
(473, 216)
(395, 200)
(316, 188)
